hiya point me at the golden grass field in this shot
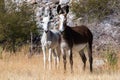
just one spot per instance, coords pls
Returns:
(20, 67)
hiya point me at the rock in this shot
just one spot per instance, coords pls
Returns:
(99, 62)
(64, 1)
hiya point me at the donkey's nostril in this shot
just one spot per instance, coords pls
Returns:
(46, 31)
(61, 32)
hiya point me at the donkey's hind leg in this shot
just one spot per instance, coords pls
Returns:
(90, 56)
(83, 57)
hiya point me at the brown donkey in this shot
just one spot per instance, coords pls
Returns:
(74, 38)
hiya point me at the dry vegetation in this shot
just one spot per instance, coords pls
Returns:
(20, 67)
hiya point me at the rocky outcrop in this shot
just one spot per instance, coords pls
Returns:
(106, 32)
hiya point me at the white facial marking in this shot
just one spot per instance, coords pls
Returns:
(45, 23)
(61, 27)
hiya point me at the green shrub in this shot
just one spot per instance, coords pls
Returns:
(16, 23)
(111, 57)
(1, 52)
(94, 9)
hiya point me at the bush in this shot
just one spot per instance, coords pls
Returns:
(1, 50)
(111, 57)
(16, 23)
(94, 9)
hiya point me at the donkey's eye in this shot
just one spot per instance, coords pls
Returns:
(48, 22)
(42, 22)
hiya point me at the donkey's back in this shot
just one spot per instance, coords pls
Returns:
(81, 34)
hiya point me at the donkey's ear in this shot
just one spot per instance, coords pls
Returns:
(67, 9)
(58, 9)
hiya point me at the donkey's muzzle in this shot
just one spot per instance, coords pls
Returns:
(46, 31)
(61, 32)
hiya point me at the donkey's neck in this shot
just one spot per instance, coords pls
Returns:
(49, 35)
(67, 37)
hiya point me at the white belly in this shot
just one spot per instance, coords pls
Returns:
(75, 48)
(79, 47)
(64, 45)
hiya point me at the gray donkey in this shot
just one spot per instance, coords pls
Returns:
(50, 40)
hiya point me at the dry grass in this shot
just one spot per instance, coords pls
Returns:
(19, 67)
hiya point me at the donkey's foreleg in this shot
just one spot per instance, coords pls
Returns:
(58, 56)
(50, 58)
(55, 58)
(64, 58)
(71, 59)
(44, 56)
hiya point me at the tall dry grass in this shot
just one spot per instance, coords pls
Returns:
(20, 67)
